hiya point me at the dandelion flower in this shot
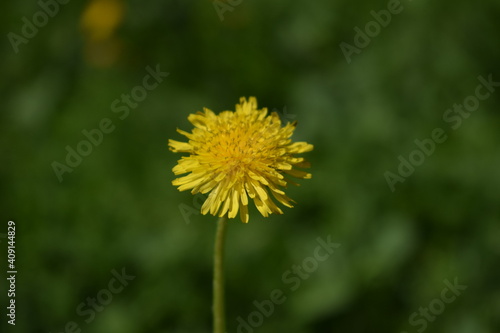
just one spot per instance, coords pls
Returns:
(239, 156)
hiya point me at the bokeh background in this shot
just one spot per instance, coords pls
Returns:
(118, 210)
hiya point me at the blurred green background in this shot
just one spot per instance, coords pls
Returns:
(118, 210)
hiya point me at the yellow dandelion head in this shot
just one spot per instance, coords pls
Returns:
(239, 155)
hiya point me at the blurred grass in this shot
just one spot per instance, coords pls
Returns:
(118, 209)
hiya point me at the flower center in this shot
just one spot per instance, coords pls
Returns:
(236, 151)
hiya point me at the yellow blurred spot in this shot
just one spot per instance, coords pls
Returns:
(99, 22)
(101, 18)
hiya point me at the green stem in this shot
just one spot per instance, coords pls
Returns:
(218, 305)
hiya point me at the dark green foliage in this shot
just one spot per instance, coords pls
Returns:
(118, 209)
